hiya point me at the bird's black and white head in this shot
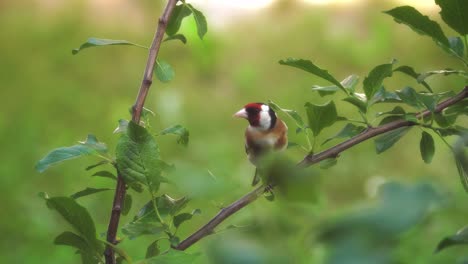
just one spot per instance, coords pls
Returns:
(259, 115)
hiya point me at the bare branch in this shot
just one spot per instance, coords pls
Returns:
(309, 160)
(136, 115)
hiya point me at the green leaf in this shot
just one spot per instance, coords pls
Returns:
(178, 14)
(358, 101)
(445, 72)
(88, 255)
(409, 96)
(180, 131)
(373, 81)
(461, 159)
(349, 83)
(418, 22)
(455, 14)
(428, 100)
(137, 156)
(181, 218)
(89, 147)
(388, 139)
(427, 147)
(460, 238)
(102, 162)
(200, 21)
(383, 96)
(138, 228)
(78, 217)
(320, 116)
(397, 110)
(327, 163)
(88, 191)
(170, 206)
(349, 130)
(170, 257)
(127, 205)
(153, 250)
(290, 113)
(456, 44)
(122, 128)
(180, 37)
(96, 42)
(164, 71)
(308, 66)
(105, 174)
(411, 72)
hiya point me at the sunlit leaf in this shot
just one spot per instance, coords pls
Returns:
(164, 71)
(388, 139)
(97, 42)
(418, 22)
(88, 191)
(137, 156)
(200, 21)
(89, 147)
(427, 147)
(373, 81)
(320, 116)
(455, 14)
(178, 14)
(180, 131)
(308, 66)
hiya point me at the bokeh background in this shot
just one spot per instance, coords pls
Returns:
(51, 98)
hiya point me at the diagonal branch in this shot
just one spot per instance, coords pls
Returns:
(312, 159)
(136, 115)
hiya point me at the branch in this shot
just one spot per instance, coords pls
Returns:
(312, 159)
(136, 115)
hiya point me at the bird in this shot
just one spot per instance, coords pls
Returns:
(265, 134)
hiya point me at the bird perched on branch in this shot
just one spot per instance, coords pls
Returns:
(265, 133)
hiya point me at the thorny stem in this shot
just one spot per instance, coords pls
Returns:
(136, 115)
(309, 160)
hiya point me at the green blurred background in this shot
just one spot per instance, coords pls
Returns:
(51, 98)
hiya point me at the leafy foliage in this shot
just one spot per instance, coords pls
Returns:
(180, 131)
(321, 116)
(96, 42)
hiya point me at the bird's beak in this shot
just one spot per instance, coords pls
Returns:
(242, 113)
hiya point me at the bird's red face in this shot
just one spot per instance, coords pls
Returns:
(259, 115)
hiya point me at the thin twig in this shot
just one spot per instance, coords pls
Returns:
(312, 159)
(136, 115)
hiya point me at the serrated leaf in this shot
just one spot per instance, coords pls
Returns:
(373, 82)
(89, 147)
(137, 156)
(310, 67)
(455, 14)
(320, 116)
(290, 113)
(388, 139)
(97, 42)
(460, 238)
(200, 21)
(102, 162)
(182, 133)
(349, 130)
(88, 191)
(178, 14)
(170, 257)
(427, 147)
(105, 174)
(411, 72)
(78, 217)
(418, 22)
(181, 218)
(357, 101)
(164, 71)
(153, 250)
(127, 205)
(180, 37)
